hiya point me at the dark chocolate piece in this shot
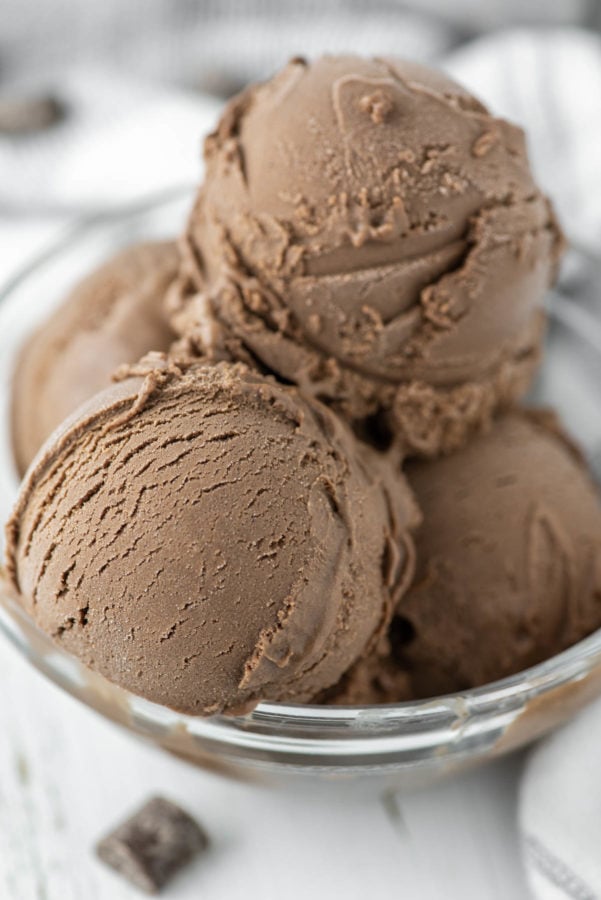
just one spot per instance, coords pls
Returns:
(151, 846)
(21, 115)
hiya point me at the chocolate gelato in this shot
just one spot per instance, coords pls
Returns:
(508, 566)
(205, 532)
(369, 232)
(207, 538)
(114, 316)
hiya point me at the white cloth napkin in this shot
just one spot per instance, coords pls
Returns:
(560, 812)
(122, 139)
(219, 43)
(550, 83)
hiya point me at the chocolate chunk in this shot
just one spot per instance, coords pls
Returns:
(21, 115)
(378, 105)
(151, 846)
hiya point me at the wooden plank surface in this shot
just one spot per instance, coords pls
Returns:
(66, 776)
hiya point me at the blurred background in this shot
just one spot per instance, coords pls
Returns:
(101, 103)
(105, 104)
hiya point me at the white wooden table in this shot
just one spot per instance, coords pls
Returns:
(67, 776)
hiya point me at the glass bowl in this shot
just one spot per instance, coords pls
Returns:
(382, 746)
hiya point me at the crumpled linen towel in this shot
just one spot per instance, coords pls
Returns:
(560, 812)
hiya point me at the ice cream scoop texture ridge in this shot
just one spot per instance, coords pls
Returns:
(157, 369)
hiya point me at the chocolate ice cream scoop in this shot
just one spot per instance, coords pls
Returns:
(208, 538)
(508, 566)
(370, 232)
(113, 316)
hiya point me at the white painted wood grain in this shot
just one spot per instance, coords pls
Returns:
(66, 776)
